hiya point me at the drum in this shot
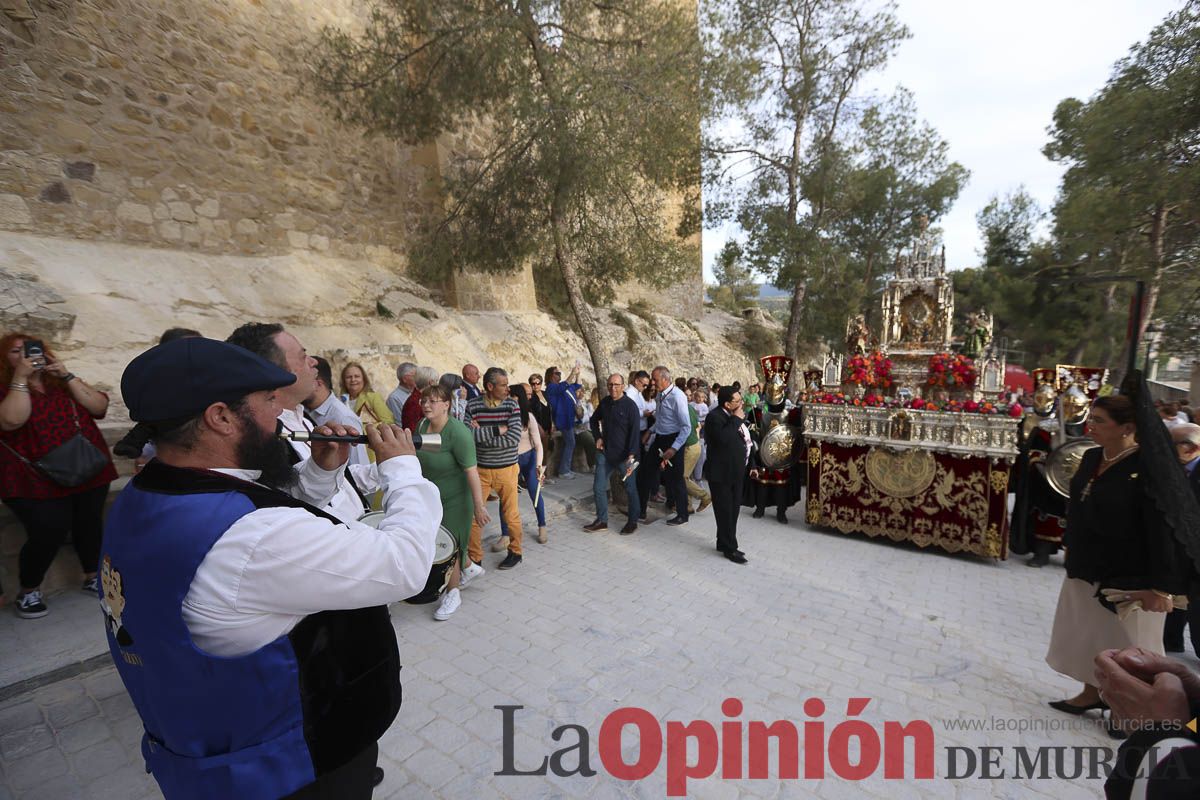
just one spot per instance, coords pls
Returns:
(445, 555)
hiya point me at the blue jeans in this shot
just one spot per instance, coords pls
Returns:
(527, 464)
(600, 489)
(568, 450)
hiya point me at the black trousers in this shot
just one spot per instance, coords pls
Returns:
(1173, 629)
(354, 780)
(47, 523)
(727, 504)
(649, 475)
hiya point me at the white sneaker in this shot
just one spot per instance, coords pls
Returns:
(471, 573)
(450, 604)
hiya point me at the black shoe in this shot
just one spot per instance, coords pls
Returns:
(758, 513)
(1038, 560)
(377, 776)
(736, 557)
(510, 561)
(1070, 708)
(782, 517)
(630, 527)
(596, 526)
(677, 521)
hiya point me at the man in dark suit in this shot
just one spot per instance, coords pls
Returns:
(1187, 447)
(728, 441)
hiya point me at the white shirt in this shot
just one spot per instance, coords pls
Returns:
(344, 503)
(275, 566)
(335, 411)
(637, 398)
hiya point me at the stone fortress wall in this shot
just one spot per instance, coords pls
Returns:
(187, 126)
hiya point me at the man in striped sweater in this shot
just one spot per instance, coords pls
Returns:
(495, 419)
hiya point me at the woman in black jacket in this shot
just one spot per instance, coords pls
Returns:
(1116, 540)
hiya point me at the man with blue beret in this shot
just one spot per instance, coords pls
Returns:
(249, 626)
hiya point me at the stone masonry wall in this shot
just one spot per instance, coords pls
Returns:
(186, 125)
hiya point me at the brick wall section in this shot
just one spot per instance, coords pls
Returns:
(186, 125)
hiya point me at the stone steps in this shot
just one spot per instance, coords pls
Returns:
(65, 572)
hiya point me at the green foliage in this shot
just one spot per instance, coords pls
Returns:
(642, 309)
(1128, 208)
(825, 184)
(1130, 198)
(759, 340)
(383, 310)
(625, 321)
(734, 276)
(589, 116)
(724, 298)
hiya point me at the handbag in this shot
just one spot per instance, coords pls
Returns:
(73, 463)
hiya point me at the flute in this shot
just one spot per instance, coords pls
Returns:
(429, 442)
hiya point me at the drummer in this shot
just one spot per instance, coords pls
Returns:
(453, 470)
(249, 626)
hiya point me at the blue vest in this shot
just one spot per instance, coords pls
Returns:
(260, 725)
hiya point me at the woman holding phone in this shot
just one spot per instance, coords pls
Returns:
(43, 405)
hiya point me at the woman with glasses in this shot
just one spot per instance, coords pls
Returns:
(452, 469)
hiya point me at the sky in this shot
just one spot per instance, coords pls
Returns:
(987, 76)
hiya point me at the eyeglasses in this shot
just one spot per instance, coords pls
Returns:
(428, 401)
(615, 384)
(535, 383)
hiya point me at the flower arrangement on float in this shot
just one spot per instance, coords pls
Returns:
(919, 404)
(951, 371)
(872, 370)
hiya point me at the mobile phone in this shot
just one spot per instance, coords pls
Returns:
(36, 350)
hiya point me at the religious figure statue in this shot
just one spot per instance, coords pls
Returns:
(979, 333)
(858, 336)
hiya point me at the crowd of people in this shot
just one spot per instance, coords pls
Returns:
(249, 455)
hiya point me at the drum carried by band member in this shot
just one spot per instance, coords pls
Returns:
(1053, 437)
(774, 478)
(445, 551)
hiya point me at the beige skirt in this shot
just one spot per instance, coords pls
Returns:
(1083, 627)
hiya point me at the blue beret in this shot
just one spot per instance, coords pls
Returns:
(180, 379)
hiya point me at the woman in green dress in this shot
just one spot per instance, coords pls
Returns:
(452, 470)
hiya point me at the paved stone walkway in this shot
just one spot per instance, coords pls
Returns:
(593, 622)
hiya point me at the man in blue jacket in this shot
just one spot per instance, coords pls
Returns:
(616, 429)
(249, 626)
(561, 395)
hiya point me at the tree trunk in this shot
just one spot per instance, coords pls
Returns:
(1158, 232)
(791, 342)
(587, 325)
